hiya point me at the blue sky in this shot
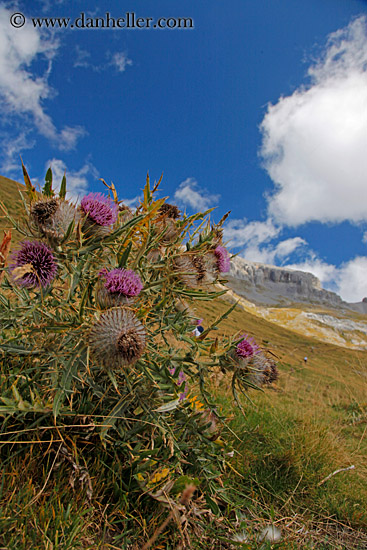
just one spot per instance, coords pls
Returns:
(260, 109)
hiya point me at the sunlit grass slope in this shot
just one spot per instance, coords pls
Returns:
(291, 438)
(10, 197)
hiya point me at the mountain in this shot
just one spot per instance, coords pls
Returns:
(296, 301)
(278, 286)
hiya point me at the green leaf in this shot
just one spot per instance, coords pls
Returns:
(111, 419)
(147, 193)
(58, 400)
(19, 350)
(170, 406)
(31, 190)
(47, 190)
(212, 505)
(69, 231)
(68, 374)
(125, 255)
(62, 192)
(83, 301)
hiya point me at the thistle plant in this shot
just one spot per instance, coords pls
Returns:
(97, 313)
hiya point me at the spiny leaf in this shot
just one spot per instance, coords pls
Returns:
(125, 255)
(31, 190)
(147, 193)
(62, 192)
(47, 190)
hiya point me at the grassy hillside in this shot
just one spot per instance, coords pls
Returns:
(311, 424)
(10, 197)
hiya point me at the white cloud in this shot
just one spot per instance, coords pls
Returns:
(10, 148)
(120, 61)
(82, 58)
(326, 273)
(22, 93)
(273, 254)
(315, 141)
(117, 60)
(352, 280)
(240, 232)
(132, 203)
(76, 180)
(349, 280)
(190, 194)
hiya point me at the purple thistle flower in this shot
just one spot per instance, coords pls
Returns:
(122, 282)
(44, 266)
(247, 347)
(223, 259)
(100, 208)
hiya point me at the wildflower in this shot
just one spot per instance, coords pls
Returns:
(42, 210)
(183, 395)
(170, 211)
(42, 265)
(247, 347)
(101, 213)
(52, 218)
(181, 379)
(123, 281)
(117, 339)
(191, 270)
(166, 223)
(223, 259)
(117, 287)
(217, 261)
(260, 371)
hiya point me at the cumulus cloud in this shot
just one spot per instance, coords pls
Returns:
(348, 280)
(132, 203)
(352, 280)
(240, 232)
(10, 147)
(76, 180)
(315, 141)
(314, 146)
(23, 93)
(190, 194)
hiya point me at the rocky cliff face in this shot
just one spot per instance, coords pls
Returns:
(266, 284)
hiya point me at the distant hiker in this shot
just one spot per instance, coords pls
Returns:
(198, 331)
(305, 359)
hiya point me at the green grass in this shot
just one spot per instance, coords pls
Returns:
(10, 197)
(291, 438)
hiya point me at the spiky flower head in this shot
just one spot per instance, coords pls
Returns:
(100, 209)
(260, 371)
(170, 211)
(117, 287)
(122, 281)
(38, 263)
(247, 347)
(52, 218)
(117, 338)
(191, 269)
(223, 259)
(165, 223)
(41, 211)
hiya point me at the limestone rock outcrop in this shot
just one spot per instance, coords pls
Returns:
(271, 285)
